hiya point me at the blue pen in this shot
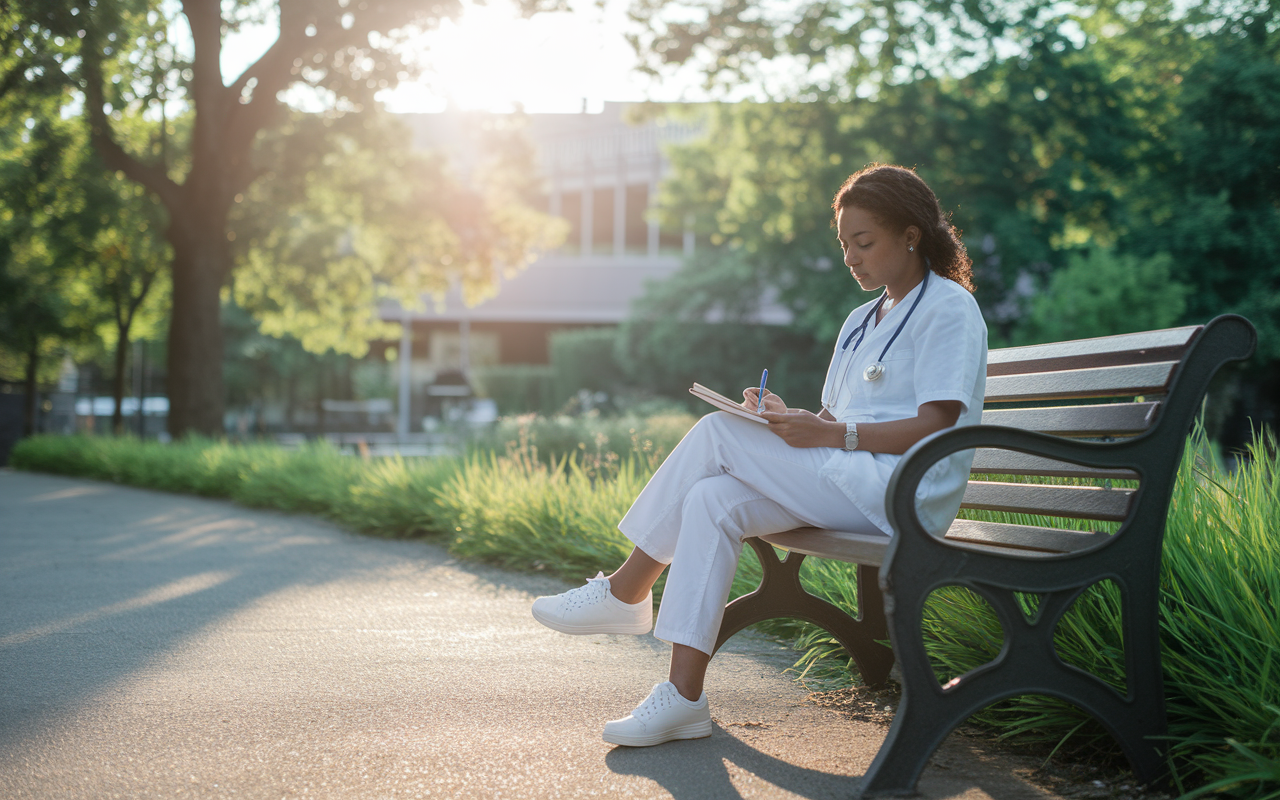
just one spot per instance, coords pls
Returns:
(764, 376)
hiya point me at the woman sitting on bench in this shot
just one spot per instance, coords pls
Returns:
(907, 364)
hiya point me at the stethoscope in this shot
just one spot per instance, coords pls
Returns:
(875, 370)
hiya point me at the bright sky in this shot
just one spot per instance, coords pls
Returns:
(491, 59)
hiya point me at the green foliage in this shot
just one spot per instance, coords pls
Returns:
(585, 359)
(33, 302)
(517, 511)
(518, 388)
(1100, 293)
(322, 215)
(594, 438)
(352, 216)
(1150, 137)
(726, 357)
(385, 497)
(1213, 200)
(703, 325)
(82, 246)
(1221, 629)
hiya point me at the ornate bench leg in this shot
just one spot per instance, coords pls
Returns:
(920, 722)
(1027, 664)
(780, 594)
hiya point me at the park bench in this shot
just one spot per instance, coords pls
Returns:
(1116, 408)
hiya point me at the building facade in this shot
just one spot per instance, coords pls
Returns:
(601, 174)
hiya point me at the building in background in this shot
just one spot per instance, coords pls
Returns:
(601, 175)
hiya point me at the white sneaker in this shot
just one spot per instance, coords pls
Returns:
(663, 716)
(594, 609)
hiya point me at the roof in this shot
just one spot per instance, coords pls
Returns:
(569, 290)
(553, 289)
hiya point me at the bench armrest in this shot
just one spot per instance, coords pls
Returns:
(901, 492)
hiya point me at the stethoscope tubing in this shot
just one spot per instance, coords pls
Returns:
(848, 358)
(867, 319)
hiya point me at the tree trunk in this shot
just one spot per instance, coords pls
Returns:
(33, 396)
(194, 381)
(117, 383)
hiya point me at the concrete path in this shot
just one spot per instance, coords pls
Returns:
(156, 645)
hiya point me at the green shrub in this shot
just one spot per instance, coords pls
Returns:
(387, 496)
(518, 388)
(589, 436)
(585, 359)
(668, 357)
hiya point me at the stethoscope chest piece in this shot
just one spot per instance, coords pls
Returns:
(875, 370)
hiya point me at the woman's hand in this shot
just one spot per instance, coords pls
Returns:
(751, 400)
(800, 428)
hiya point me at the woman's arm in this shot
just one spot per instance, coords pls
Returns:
(800, 428)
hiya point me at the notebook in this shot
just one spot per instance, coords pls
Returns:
(725, 404)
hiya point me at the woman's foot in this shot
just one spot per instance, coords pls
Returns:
(593, 609)
(662, 717)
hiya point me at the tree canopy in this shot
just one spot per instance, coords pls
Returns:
(1143, 143)
(145, 76)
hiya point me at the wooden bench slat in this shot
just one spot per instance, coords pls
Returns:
(1129, 348)
(1011, 462)
(1085, 362)
(1023, 537)
(1132, 379)
(870, 548)
(1077, 502)
(857, 548)
(1109, 419)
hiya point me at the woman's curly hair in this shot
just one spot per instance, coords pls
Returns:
(899, 198)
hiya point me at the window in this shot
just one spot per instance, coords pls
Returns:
(637, 226)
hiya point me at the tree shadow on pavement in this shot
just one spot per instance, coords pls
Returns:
(100, 584)
(704, 769)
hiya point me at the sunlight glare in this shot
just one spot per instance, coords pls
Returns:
(492, 59)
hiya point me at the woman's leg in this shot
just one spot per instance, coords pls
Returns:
(718, 515)
(728, 479)
(633, 580)
(688, 670)
(656, 510)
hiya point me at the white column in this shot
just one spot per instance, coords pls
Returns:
(688, 235)
(588, 205)
(654, 231)
(620, 212)
(464, 335)
(406, 354)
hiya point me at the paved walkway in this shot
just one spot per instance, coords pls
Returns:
(156, 645)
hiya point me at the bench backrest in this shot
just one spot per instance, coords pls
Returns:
(1140, 391)
(1105, 389)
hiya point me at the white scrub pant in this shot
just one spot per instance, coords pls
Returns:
(729, 478)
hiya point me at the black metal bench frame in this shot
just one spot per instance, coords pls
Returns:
(916, 563)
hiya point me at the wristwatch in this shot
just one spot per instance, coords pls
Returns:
(851, 436)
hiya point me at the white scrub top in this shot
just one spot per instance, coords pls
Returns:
(941, 354)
